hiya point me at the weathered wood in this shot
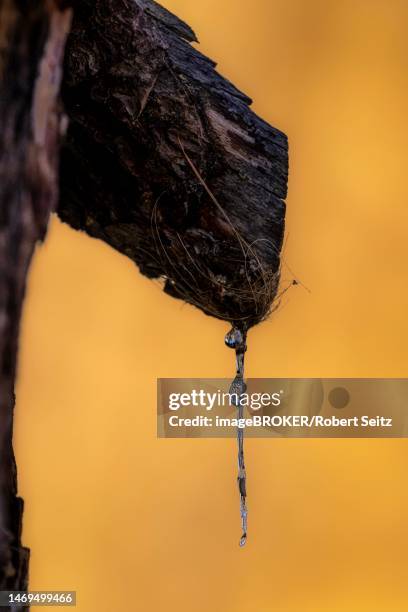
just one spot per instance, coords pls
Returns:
(32, 38)
(166, 162)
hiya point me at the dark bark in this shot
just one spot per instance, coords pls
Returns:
(166, 162)
(32, 38)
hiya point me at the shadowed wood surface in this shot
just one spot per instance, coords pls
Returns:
(166, 162)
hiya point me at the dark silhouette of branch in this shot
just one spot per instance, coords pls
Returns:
(166, 162)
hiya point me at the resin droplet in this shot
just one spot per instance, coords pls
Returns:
(235, 339)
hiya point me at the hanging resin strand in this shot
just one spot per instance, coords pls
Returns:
(236, 339)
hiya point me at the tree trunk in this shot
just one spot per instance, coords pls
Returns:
(32, 39)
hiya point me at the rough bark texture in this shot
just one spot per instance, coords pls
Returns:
(166, 162)
(32, 38)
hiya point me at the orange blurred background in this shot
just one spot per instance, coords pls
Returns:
(132, 522)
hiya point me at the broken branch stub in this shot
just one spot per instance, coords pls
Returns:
(165, 161)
